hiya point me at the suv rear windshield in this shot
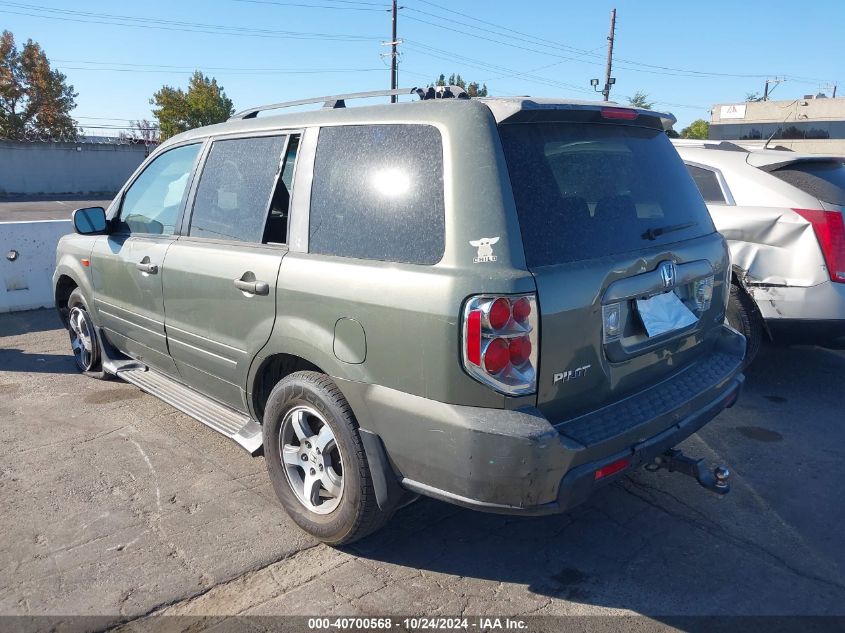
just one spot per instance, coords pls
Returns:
(590, 190)
(824, 180)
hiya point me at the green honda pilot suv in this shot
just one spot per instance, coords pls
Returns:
(502, 303)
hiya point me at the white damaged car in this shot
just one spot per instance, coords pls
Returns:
(782, 215)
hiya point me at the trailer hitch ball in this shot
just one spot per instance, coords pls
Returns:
(673, 460)
(722, 476)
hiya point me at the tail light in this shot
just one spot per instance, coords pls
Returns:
(702, 293)
(500, 342)
(830, 232)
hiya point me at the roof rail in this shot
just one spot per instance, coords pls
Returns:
(339, 101)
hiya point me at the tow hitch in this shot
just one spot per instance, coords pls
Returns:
(675, 461)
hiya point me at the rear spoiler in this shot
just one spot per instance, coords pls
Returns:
(767, 162)
(529, 109)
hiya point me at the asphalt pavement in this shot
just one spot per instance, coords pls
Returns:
(114, 504)
(29, 208)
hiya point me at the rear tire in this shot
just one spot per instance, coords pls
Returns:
(743, 316)
(316, 460)
(84, 339)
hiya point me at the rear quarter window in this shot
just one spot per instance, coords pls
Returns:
(590, 190)
(378, 193)
(824, 180)
(707, 183)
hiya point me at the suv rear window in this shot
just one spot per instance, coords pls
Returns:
(378, 193)
(824, 180)
(590, 190)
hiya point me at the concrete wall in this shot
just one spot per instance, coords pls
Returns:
(57, 168)
(27, 282)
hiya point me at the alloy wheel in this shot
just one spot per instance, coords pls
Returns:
(82, 340)
(311, 459)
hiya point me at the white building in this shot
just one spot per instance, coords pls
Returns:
(812, 124)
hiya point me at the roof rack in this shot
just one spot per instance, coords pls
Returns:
(339, 101)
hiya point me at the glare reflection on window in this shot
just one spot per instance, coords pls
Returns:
(391, 182)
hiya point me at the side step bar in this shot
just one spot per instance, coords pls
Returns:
(234, 425)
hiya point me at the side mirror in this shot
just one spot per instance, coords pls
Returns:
(90, 221)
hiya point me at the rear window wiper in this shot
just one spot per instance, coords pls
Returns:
(653, 234)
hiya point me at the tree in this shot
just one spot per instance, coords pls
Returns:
(753, 96)
(640, 100)
(473, 88)
(671, 133)
(35, 101)
(697, 129)
(145, 131)
(142, 131)
(203, 103)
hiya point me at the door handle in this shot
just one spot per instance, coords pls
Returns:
(253, 287)
(146, 267)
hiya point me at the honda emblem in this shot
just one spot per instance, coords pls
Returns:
(667, 274)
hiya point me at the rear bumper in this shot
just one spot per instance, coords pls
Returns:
(823, 332)
(822, 302)
(519, 462)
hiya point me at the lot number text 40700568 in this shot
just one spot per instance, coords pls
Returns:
(417, 623)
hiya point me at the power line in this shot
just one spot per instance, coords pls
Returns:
(532, 40)
(626, 64)
(315, 6)
(452, 56)
(488, 39)
(505, 28)
(223, 71)
(86, 17)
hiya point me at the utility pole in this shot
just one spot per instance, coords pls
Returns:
(608, 81)
(394, 62)
(774, 83)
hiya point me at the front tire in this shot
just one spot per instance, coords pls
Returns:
(316, 460)
(84, 340)
(743, 316)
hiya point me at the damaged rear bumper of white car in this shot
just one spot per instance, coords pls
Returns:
(813, 315)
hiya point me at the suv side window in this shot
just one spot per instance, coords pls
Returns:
(707, 183)
(237, 190)
(152, 203)
(378, 193)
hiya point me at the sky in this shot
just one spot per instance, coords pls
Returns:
(685, 55)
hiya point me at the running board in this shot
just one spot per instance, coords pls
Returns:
(237, 426)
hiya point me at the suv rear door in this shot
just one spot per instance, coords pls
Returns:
(610, 216)
(220, 278)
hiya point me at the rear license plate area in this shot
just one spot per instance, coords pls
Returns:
(664, 313)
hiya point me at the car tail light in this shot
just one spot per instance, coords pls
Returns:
(611, 322)
(500, 342)
(499, 314)
(702, 293)
(619, 113)
(830, 232)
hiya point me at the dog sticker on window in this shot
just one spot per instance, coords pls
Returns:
(485, 249)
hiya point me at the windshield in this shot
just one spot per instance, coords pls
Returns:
(590, 190)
